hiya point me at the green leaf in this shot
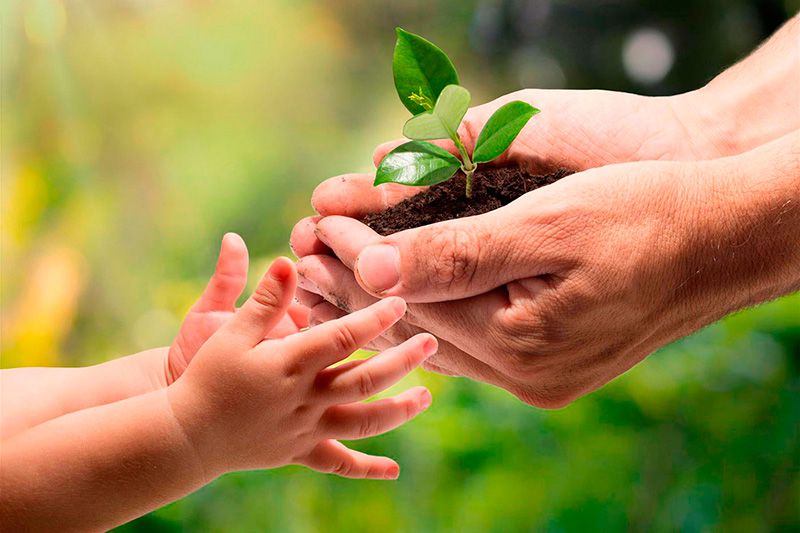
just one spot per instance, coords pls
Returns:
(443, 121)
(421, 71)
(501, 129)
(424, 127)
(417, 163)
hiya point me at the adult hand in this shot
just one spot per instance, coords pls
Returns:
(748, 105)
(557, 293)
(575, 130)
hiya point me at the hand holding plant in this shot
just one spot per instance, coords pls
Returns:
(560, 291)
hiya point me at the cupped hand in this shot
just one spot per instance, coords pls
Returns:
(217, 305)
(557, 293)
(576, 129)
(246, 402)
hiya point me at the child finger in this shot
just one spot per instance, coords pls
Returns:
(325, 312)
(323, 345)
(333, 457)
(378, 373)
(300, 315)
(229, 278)
(268, 304)
(362, 420)
(285, 327)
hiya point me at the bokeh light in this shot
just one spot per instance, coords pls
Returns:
(647, 55)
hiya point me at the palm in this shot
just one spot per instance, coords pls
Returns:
(196, 329)
(217, 305)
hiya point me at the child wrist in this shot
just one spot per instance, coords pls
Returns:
(194, 426)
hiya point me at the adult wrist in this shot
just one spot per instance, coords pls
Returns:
(711, 132)
(753, 102)
(748, 221)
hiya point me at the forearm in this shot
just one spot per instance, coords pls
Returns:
(751, 103)
(742, 246)
(97, 468)
(30, 396)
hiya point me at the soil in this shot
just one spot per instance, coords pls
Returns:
(493, 187)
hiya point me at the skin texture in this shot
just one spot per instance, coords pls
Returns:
(571, 285)
(244, 401)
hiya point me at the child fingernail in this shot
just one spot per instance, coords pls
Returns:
(430, 346)
(280, 269)
(425, 400)
(398, 304)
(392, 473)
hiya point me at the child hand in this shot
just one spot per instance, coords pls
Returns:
(217, 304)
(248, 403)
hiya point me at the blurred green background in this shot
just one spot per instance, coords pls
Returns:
(135, 133)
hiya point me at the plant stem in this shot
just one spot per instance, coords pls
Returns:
(466, 163)
(469, 174)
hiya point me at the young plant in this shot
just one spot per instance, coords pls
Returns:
(428, 86)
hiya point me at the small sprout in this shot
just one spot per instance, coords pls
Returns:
(427, 84)
(421, 100)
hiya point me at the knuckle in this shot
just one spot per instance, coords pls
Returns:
(517, 337)
(559, 229)
(341, 468)
(343, 339)
(368, 426)
(410, 410)
(453, 255)
(265, 297)
(386, 320)
(365, 384)
(532, 333)
(409, 364)
(327, 424)
(223, 281)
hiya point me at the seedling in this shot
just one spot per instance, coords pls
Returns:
(428, 86)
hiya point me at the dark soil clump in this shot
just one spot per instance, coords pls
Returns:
(492, 188)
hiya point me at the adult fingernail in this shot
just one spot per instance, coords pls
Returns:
(430, 346)
(378, 267)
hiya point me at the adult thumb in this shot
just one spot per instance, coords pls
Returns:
(446, 261)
